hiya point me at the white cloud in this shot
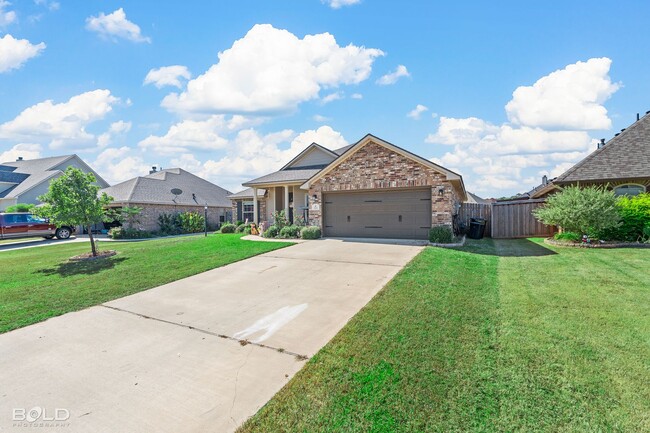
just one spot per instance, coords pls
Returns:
(337, 4)
(335, 96)
(63, 124)
(25, 150)
(115, 25)
(51, 5)
(392, 77)
(6, 17)
(319, 118)
(168, 76)
(417, 112)
(117, 128)
(356, 96)
(570, 98)
(272, 70)
(116, 165)
(15, 52)
(498, 159)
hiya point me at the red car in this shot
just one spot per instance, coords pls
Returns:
(24, 225)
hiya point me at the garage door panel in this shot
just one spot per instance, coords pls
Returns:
(404, 214)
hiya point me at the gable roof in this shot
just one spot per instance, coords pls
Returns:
(626, 156)
(294, 175)
(350, 150)
(308, 149)
(156, 189)
(247, 193)
(29, 173)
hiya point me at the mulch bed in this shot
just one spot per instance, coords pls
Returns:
(557, 243)
(89, 256)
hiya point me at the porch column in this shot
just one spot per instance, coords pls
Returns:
(255, 206)
(286, 201)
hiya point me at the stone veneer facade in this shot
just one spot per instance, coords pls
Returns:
(149, 216)
(375, 167)
(260, 202)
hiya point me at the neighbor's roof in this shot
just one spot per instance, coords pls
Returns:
(156, 189)
(626, 156)
(473, 198)
(247, 193)
(283, 176)
(30, 173)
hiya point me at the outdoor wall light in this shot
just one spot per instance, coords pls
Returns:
(441, 191)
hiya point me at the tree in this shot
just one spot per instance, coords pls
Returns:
(587, 210)
(130, 214)
(73, 199)
(21, 207)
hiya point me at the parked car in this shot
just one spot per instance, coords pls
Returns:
(24, 225)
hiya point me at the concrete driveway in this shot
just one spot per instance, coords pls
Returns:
(200, 354)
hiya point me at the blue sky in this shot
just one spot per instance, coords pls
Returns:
(576, 70)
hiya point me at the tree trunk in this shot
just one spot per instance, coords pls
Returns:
(92, 241)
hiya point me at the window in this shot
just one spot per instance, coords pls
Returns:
(629, 189)
(35, 219)
(248, 211)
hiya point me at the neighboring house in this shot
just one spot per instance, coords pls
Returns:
(170, 191)
(368, 189)
(622, 164)
(473, 198)
(23, 181)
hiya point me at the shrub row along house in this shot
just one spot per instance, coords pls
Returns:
(371, 188)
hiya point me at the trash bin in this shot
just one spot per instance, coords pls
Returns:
(476, 228)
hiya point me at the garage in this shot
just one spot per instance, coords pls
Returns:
(396, 214)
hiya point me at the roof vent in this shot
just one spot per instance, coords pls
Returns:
(622, 129)
(647, 112)
(153, 169)
(617, 134)
(544, 180)
(601, 144)
(637, 117)
(20, 158)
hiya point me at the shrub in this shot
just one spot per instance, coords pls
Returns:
(310, 232)
(280, 219)
(299, 221)
(241, 227)
(591, 210)
(228, 228)
(568, 236)
(441, 235)
(271, 232)
(192, 222)
(289, 232)
(128, 233)
(21, 207)
(635, 216)
(169, 224)
(247, 230)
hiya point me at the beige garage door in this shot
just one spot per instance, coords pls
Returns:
(400, 214)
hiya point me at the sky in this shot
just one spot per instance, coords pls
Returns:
(502, 92)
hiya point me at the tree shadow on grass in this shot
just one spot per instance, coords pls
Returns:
(507, 248)
(88, 267)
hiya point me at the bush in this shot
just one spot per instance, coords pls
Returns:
(169, 224)
(192, 222)
(635, 216)
(280, 219)
(128, 233)
(310, 232)
(591, 210)
(568, 236)
(241, 227)
(271, 232)
(441, 235)
(21, 207)
(228, 228)
(247, 230)
(289, 232)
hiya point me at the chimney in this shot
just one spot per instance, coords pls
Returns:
(544, 180)
(601, 144)
(20, 158)
(153, 170)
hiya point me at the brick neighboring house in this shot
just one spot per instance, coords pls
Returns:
(622, 164)
(153, 193)
(368, 189)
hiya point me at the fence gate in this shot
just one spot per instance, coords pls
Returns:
(515, 220)
(476, 210)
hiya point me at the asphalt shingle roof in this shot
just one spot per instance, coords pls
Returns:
(293, 175)
(34, 171)
(626, 156)
(247, 193)
(156, 189)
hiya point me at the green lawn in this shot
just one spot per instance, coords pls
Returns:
(498, 336)
(39, 283)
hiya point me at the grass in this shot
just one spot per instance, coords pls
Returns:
(493, 337)
(38, 283)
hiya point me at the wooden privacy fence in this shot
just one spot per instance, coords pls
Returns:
(512, 219)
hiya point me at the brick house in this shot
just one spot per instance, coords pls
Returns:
(368, 189)
(158, 193)
(621, 164)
